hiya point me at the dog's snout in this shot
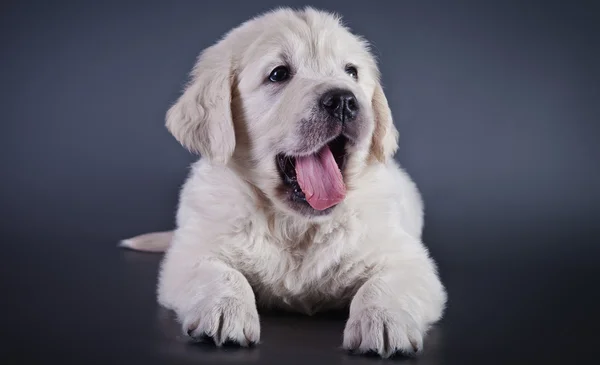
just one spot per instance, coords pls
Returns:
(340, 104)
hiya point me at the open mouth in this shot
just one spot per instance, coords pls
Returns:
(316, 179)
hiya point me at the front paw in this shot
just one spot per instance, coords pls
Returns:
(383, 331)
(224, 320)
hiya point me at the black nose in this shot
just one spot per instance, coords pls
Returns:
(340, 104)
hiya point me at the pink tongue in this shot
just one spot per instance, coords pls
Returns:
(320, 179)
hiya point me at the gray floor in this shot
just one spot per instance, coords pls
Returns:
(79, 303)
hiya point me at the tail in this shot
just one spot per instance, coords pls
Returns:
(149, 242)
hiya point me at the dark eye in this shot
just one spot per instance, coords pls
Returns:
(279, 74)
(352, 71)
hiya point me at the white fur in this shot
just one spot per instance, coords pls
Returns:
(237, 245)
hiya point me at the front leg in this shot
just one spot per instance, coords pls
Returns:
(211, 299)
(392, 310)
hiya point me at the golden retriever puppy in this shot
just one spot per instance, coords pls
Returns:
(296, 202)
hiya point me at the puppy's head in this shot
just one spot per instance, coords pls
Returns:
(291, 100)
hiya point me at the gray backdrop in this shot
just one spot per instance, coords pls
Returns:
(497, 104)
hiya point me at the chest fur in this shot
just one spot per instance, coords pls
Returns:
(302, 268)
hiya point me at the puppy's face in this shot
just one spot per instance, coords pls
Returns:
(291, 100)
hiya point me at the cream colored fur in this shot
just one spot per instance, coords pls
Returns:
(237, 246)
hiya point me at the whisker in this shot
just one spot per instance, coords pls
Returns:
(282, 167)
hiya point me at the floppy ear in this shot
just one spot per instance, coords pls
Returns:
(201, 119)
(385, 136)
